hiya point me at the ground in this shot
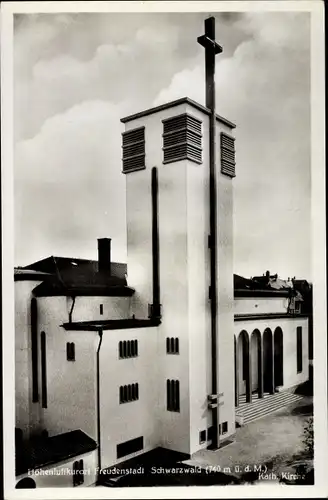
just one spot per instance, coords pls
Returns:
(273, 443)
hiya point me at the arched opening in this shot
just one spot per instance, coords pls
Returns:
(244, 379)
(268, 379)
(256, 368)
(278, 358)
(236, 374)
(25, 483)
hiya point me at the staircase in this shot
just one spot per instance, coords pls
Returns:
(261, 407)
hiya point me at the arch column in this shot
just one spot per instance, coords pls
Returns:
(260, 367)
(249, 371)
(236, 374)
(273, 387)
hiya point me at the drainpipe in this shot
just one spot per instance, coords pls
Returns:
(155, 307)
(100, 332)
(210, 104)
(71, 311)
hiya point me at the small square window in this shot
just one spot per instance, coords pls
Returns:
(224, 427)
(70, 351)
(202, 437)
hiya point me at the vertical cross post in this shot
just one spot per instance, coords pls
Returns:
(211, 49)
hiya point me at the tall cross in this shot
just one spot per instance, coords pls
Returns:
(211, 49)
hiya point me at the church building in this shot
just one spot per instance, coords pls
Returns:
(171, 350)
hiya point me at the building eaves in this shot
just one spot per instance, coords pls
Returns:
(114, 324)
(167, 105)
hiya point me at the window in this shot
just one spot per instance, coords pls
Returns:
(297, 307)
(101, 309)
(182, 139)
(133, 144)
(128, 349)
(78, 476)
(224, 428)
(227, 147)
(34, 349)
(129, 447)
(172, 345)
(299, 350)
(202, 437)
(70, 351)
(173, 395)
(43, 370)
(129, 393)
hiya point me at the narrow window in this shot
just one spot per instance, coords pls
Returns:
(129, 393)
(34, 349)
(172, 345)
(299, 350)
(173, 395)
(43, 370)
(101, 309)
(224, 427)
(202, 437)
(128, 349)
(70, 351)
(78, 476)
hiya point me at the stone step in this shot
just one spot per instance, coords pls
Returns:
(263, 403)
(267, 397)
(251, 407)
(266, 406)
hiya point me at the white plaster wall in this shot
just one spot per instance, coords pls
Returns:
(174, 428)
(225, 291)
(122, 422)
(288, 326)
(57, 476)
(71, 385)
(198, 276)
(243, 305)
(27, 416)
(88, 308)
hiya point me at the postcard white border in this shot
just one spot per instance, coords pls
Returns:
(316, 8)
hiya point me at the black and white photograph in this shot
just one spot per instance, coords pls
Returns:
(163, 260)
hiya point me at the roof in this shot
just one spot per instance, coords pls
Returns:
(56, 288)
(114, 324)
(258, 292)
(21, 274)
(167, 105)
(71, 276)
(54, 264)
(264, 286)
(54, 449)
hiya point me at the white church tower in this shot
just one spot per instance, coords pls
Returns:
(179, 162)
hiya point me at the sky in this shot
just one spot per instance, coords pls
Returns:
(76, 75)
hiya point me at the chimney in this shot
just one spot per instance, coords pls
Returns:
(104, 260)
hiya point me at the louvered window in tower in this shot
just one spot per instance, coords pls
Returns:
(133, 145)
(182, 139)
(227, 147)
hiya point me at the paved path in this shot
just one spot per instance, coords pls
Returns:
(272, 440)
